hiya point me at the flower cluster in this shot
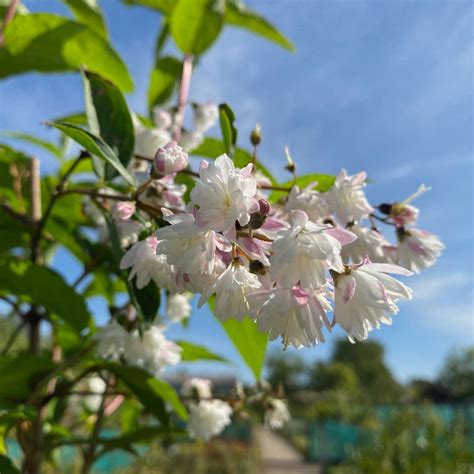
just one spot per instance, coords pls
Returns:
(207, 417)
(285, 265)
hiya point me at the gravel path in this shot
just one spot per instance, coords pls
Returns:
(279, 456)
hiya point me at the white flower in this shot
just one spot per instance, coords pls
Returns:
(186, 246)
(277, 415)
(149, 140)
(170, 159)
(97, 386)
(190, 140)
(162, 118)
(232, 288)
(418, 249)
(369, 243)
(151, 350)
(208, 418)
(205, 116)
(111, 341)
(347, 199)
(197, 386)
(365, 297)
(308, 200)
(146, 265)
(224, 194)
(177, 307)
(123, 210)
(295, 314)
(304, 252)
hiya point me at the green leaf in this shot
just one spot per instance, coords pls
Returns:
(249, 341)
(149, 300)
(162, 38)
(44, 287)
(20, 374)
(212, 148)
(242, 17)
(163, 6)
(25, 137)
(324, 183)
(95, 146)
(7, 466)
(196, 24)
(151, 391)
(74, 119)
(229, 132)
(89, 13)
(45, 42)
(109, 117)
(192, 352)
(163, 80)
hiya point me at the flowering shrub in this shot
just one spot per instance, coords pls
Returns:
(272, 260)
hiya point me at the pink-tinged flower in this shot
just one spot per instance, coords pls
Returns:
(123, 210)
(232, 288)
(205, 116)
(197, 386)
(402, 213)
(347, 199)
(224, 194)
(170, 159)
(310, 201)
(369, 242)
(147, 265)
(365, 296)
(295, 314)
(208, 418)
(305, 251)
(188, 247)
(149, 140)
(417, 249)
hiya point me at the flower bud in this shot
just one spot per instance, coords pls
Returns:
(170, 159)
(123, 210)
(256, 135)
(257, 219)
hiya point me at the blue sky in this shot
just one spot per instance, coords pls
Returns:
(381, 86)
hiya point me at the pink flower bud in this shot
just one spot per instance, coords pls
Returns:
(264, 206)
(170, 159)
(124, 210)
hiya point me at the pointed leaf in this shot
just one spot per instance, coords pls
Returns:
(241, 16)
(192, 352)
(110, 116)
(229, 132)
(163, 80)
(95, 146)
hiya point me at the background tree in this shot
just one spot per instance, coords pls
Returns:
(287, 370)
(457, 374)
(367, 360)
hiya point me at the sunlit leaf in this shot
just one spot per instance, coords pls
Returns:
(241, 16)
(196, 24)
(88, 12)
(163, 80)
(50, 43)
